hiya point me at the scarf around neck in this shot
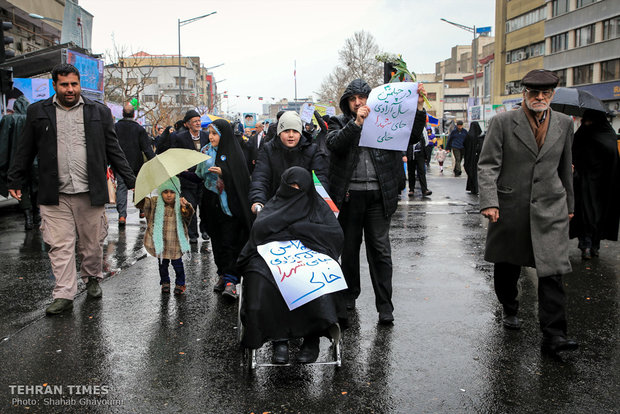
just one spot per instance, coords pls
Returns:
(539, 129)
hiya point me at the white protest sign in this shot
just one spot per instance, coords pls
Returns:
(392, 111)
(325, 110)
(306, 112)
(301, 273)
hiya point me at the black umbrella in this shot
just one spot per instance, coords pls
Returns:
(575, 102)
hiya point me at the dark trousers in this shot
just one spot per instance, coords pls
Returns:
(192, 192)
(458, 159)
(551, 298)
(179, 270)
(228, 236)
(415, 163)
(363, 214)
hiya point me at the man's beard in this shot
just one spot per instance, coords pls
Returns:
(531, 107)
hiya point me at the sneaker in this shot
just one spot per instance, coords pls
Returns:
(230, 291)
(58, 306)
(93, 290)
(179, 289)
(122, 221)
(165, 288)
(220, 285)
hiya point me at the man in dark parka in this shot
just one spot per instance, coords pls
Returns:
(526, 192)
(365, 184)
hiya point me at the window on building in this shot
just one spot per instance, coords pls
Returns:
(432, 96)
(190, 83)
(584, 35)
(559, 42)
(610, 70)
(583, 74)
(455, 99)
(176, 81)
(131, 82)
(562, 75)
(528, 52)
(512, 87)
(559, 7)
(526, 19)
(611, 28)
(150, 81)
(149, 98)
(581, 3)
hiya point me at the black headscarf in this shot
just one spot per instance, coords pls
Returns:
(235, 173)
(296, 214)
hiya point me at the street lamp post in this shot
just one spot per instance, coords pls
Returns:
(474, 53)
(179, 24)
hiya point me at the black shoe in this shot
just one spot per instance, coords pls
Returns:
(204, 236)
(93, 290)
(586, 254)
(220, 285)
(280, 352)
(426, 193)
(386, 318)
(553, 344)
(511, 322)
(309, 351)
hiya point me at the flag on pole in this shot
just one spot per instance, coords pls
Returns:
(321, 190)
(431, 120)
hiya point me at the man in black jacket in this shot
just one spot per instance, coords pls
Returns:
(74, 139)
(134, 142)
(365, 184)
(191, 185)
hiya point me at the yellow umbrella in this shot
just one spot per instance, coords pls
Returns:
(164, 166)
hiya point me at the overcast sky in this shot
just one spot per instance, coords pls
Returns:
(259, 41)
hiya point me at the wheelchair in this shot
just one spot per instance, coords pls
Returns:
(252, 358)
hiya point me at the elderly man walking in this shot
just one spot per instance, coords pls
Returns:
(526, 192)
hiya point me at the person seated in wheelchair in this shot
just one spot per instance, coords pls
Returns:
(296, 212)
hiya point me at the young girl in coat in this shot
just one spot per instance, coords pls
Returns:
(167, 218)
(441, 157)
(225, 199)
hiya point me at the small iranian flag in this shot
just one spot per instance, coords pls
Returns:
(321, 190)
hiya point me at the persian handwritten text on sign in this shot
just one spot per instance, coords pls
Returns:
(392, 111)
(301, 273)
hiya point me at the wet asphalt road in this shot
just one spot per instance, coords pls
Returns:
(446, 353)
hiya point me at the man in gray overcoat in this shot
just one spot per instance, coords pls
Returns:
(526, 192)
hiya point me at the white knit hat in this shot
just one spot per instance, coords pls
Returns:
(289, 120)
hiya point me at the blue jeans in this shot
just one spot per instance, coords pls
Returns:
(121, 196)
(179, 270)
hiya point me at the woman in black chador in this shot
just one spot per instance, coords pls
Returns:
(296, 212)
(596, 182)
(473, 146)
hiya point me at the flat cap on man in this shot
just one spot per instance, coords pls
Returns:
(540, 79)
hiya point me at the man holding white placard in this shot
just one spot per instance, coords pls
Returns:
(365, 184)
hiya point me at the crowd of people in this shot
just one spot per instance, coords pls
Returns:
(258, 190)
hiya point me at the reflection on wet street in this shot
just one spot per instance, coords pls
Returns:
(447, 351)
